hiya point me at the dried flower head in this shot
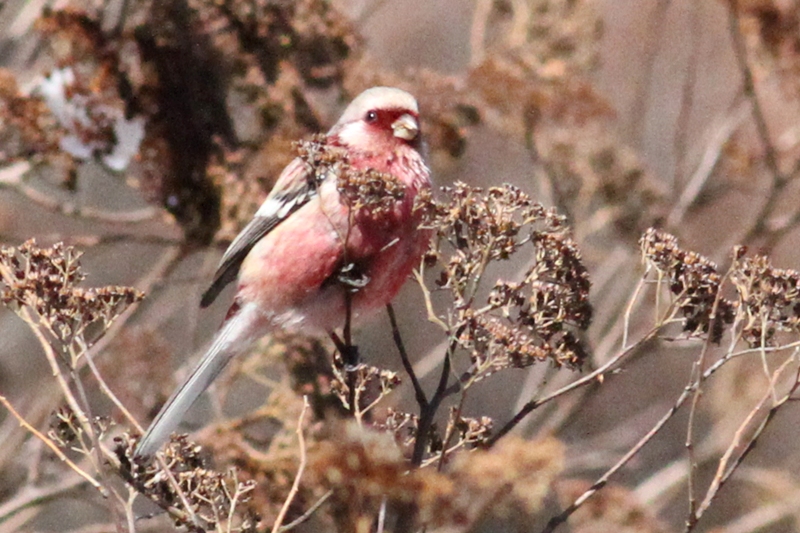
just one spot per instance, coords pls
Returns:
(769, 299)
(402, 425)
(370, 384)
(368, 192)
(213, 498)
(513, 477)
(471, 431)
(362, 467)
(44, 281)
(519, 322)
(27, 128)
(365, 469)
(516, 472)
(615, 508)
(692, 279)
(65, 428)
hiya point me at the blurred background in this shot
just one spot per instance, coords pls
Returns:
(147, 133)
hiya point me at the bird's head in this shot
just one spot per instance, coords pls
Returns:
(378, 119)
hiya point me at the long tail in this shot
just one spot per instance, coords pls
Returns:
(236, 334)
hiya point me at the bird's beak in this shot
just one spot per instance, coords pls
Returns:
(405, 127)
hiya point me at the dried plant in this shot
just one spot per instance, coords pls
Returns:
(518, 323)
(343, 439)
(368, 192)
(198, 498)
(43, 281)
(769, 299)
(693, 281)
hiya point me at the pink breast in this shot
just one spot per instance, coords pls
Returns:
(288, 272)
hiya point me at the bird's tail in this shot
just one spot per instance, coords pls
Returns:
(234, 336)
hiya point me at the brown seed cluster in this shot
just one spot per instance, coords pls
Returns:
(692, 279)
(463, 432)
(516, 475)
(368, 192)
(520, 322)
(179, 67)
(213, 498)
(370, 384)
(470, 431)
(403, 426)
(769, 299)
(65, 428)
(364, 469)
(310, 371)
(531, 59)
(68, 431)
(44, 281)
(27, 128)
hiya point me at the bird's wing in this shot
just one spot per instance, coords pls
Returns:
(294, 188)
(235, 335)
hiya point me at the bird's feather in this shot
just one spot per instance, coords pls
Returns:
(228, 342)
(294, 188)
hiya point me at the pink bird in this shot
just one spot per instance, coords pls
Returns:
(288, 257)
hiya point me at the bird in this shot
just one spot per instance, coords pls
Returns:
(287, 259)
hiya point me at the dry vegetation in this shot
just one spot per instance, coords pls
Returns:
(540, 373)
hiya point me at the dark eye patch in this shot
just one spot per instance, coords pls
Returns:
(383, 118)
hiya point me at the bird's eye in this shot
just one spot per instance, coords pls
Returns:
(372, 116)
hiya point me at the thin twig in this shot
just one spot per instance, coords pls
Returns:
(350, 356)
(708, 162)
(106, 389)
(50, 444)
(408, 514)
(477, 33)
(779, 179)
(100, 452)
(451, 429)
(300, 469)
(421, 398)
(129, 514)
(602, 480)
(369, 11)
(15, 522)
(724, 472)
(189, 515)
(698, 371)
(597, 374)
(426, 294)
(71, 209)
(626, 322)
(429, 412)
(679, 140)
(308, 514)
(382, 516)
